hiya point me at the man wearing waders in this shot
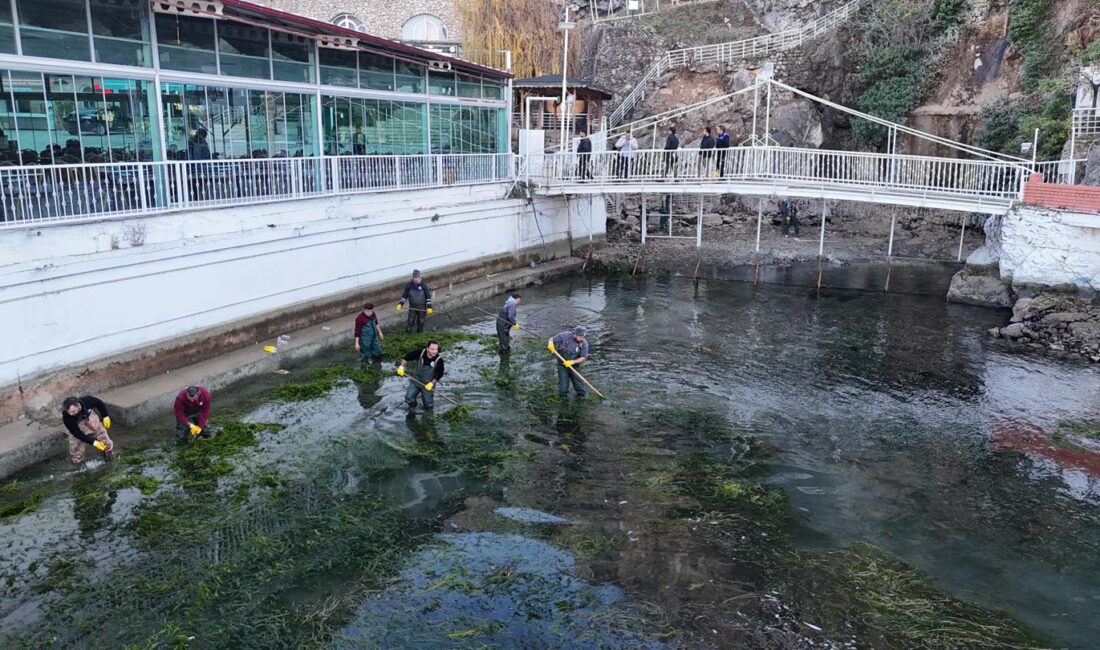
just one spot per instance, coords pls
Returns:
(368, 335)
(418, 298)
(506, 320)
(425, 374)
(789, 214)
(572, 347)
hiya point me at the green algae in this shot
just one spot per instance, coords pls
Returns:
(1086, 430)
(147, 484)
(23, 505)
(590, 542)
(202, 461)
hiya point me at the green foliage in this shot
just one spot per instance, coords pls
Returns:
(948, 14)
(1091, 53)
(1029, 30)
(1007, 122)
(893, 79)
(1000, 127)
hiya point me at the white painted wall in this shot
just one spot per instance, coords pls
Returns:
(66, 296)
(1050, 247)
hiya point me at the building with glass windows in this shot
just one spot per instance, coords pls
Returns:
(93, 81)
(434, 24)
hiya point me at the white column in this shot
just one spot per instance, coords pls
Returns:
(698, 224)
(645, 220)
(821, 241)
(890, 248)
(759, 219)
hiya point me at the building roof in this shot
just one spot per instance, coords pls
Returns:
(275, 18)
(554, 81)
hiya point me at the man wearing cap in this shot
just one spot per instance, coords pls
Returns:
(506, 320)
(425, 375)
(192, 412)
(418, 298)
(87, 421)
(573, 348)
(368, 335)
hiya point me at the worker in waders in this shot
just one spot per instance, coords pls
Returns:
(572, 346)
(418, 298)
(788, 212)
(368, 335)
(87, 421)
(192, 409)
(424, 375)
(506, 321)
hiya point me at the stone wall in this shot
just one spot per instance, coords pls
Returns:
(381, 17)
(1045, 247)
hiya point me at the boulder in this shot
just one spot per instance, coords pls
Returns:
(1065, 317)
(979, 287)
(1013, 331)
(1092, 168)
(712, 220)
(1090, 330)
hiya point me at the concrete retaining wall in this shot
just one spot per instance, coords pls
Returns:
(1047, 247)
(78, 312)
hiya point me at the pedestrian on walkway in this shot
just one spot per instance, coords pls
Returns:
(584, 154)
(706, 152)
(572, 345)
(788, 213)
(722, 144)
(418, 298)
(192, 409)
(87, 421)
(672, 144)
(506, 321)
(368, 335)
(426, 373)
(626, 145)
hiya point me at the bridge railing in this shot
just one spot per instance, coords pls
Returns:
(858, 171)
(53, 193)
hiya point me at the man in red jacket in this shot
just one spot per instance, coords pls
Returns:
(192, 413)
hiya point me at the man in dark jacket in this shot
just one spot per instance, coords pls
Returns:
(426, 373)
(87, 421)
(418, 298)
(572, 346)
(672, 143)
(584, 152)
(706, 152)
(506, 320)
(722, 143)
(788, 213)
(192, 409)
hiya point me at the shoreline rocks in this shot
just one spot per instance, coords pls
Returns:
(1059, 323)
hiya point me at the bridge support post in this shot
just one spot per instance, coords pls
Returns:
(821, 241)
(759, 219)
(962, 237)
(699, 225)
(645, 220)
(890, 247)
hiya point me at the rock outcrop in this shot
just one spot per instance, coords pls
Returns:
(1060, 323)
(981, 286)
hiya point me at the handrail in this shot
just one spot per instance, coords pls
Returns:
(756, 46)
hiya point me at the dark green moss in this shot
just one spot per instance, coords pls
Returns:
(22, 505)
(147, 484)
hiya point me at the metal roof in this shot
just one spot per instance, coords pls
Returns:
(554, 81)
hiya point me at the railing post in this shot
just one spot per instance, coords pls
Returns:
(397, 171)
(334, 172)
(439, 170)
(142, 188)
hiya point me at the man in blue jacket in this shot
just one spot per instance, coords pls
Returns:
(506, 320)
(418, 298)
(572, 346)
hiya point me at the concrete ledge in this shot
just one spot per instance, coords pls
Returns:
(24, 443)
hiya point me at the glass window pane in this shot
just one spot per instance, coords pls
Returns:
(276, 118)
(441, 83)
(186, 43)
(243, 50)
(338, 68)
(197, 123)
(491, 90)
(9, 133)
(120, 32)
(328, 123)
(292, 57)
(7, 30)
(307, 128)
(410, 78)
(61, 113)
(375, 71)
(32, 122)
(358, 123)
(57, 29)
(469, 87)
(259, 124)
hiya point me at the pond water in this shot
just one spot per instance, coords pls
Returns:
(885, 418)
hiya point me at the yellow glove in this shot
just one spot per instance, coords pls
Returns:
(107, 422)
(195, 429)
(515, 326)
(99, 445)
(400, 371)
(567, 363)
(550, 346)
(429, 310)
(398, 306)
(428, 386)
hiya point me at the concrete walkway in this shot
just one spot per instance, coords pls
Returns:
(24, 443)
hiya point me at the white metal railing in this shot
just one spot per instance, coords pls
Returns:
(746, 49)
(1086, 122)
(1063, 172)
(52, 193)
(864, 172)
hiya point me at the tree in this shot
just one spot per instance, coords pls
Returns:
(529, 28)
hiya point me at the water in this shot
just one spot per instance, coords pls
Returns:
(888, 418)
